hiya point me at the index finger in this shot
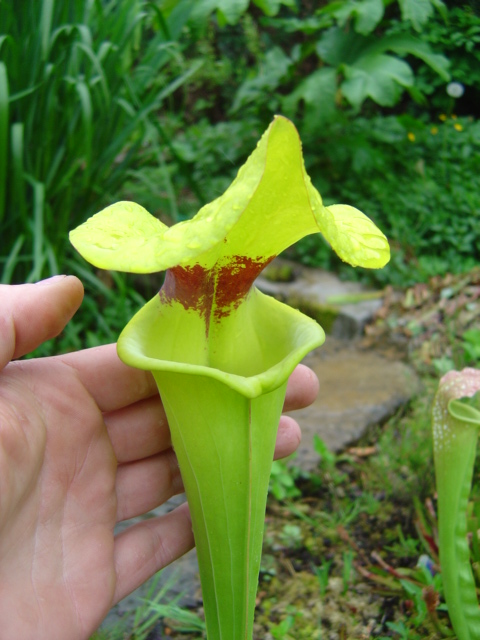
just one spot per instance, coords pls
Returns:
(111, 383)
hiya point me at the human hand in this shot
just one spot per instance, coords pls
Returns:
(84, 444)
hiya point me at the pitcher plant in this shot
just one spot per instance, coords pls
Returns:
(455, 423)
(221, 351)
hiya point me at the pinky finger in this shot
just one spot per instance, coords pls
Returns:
(148, 546)
(288, 437)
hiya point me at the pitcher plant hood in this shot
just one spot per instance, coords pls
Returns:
(214, 258)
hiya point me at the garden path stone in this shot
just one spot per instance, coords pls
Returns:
(358, 389)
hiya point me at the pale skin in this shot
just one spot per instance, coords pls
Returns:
(84, 444)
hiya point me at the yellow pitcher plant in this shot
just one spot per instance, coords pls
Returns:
(221, 351)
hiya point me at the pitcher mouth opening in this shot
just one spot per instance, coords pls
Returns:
(254, 353)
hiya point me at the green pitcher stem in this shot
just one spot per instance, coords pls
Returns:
(223, 397)
(224, 444)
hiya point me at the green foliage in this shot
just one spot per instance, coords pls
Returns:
(102, 109)
(79, 92)
(281, 630)
(313, 62)
(456, 33)
(424, 195)
(158, 603)
(368, 71)
(316, 67)
(419, 12)
(466, 353)
(228, 12)
(349, 57)
(282, 480)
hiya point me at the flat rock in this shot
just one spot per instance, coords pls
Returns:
(358, 389)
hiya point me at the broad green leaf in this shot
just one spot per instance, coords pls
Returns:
(201, 10)
(369, 14)
(417, 11)
(407, 44)
(442, 9)
(352, 50)
(376, 76)
(366, 14)
(337, 47)
(231, 10)
(272, 7)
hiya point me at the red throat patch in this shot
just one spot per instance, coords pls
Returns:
(212, 292)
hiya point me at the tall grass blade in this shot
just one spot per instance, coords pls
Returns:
(96, 64)
(87, 118)
(52, 260)
(178, 82)
(38, 231)
(85, 87)
(46, 26)
(3, 137)
(17, 185)
(12, 260)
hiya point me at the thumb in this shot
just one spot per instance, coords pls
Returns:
(33, 313)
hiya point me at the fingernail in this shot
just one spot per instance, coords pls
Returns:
(52, 280)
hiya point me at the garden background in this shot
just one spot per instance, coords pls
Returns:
(161, 102)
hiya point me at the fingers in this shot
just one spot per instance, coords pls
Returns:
(302, 388)
(288, 438)
(150, 545)
(143, 485)
(141, 429)
(112, 383)
(138, 431)
(147, 547)
(33, 313)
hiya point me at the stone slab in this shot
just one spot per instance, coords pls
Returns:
(358, 389)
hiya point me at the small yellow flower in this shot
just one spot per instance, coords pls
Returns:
(442, 117)
(411, 136)
(453, 116)
(434, 131)
(458, 126)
